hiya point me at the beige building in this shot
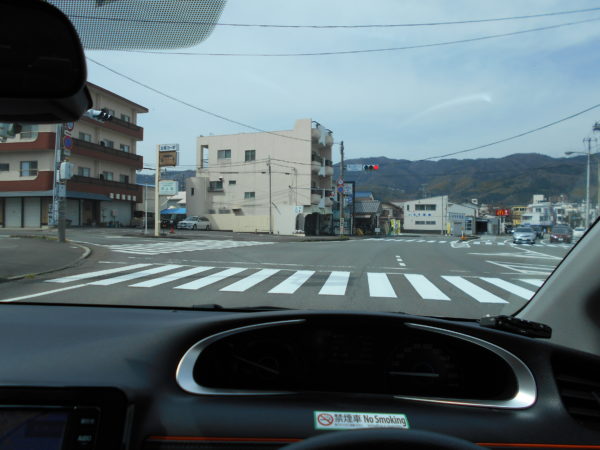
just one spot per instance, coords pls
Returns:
(102, 190)
(279, 182)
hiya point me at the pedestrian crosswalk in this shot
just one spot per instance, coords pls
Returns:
(285, 281)
(156, 248)
(500, 243)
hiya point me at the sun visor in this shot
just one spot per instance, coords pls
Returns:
(141, 24)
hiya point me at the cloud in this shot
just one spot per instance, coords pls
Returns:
(466, 99)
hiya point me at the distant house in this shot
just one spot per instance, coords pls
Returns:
(364, 196)
(367, 214)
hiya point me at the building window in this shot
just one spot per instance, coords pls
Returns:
(29, 132)
(248, 195)
(192, 191)
(430, 222)
(425, 207)
(107, 143)
(110, 111)
(215, 186)
(250, 155)
(107, 176)
(420, 222)
(29, 168)
(125, 118)
(124, 178)
(85, 137)
(224, 154)
(4, 167)
(232, 182)
(84, 171)
(124, 148)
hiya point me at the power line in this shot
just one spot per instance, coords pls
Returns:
(372, 50)
(500, 141)
(197, 108)
(397, 25)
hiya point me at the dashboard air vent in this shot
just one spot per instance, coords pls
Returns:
(578, 383)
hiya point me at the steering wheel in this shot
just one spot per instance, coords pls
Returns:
(387, 438)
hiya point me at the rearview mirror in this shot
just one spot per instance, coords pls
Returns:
(42, 65)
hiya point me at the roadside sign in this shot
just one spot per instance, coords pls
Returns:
(62, 190)
(68, 142)
(340, 189)
(66, 152)
(69, 126)
(354, 167)
(340, 182)
(168, 147)
(299, 209)
(167, 187)
(167, 159)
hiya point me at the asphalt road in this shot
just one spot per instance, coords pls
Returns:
(430, 275)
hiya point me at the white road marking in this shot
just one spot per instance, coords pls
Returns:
(133, 276)
(420, 240)
(530, 269)
(380, 286)
(442, 242)
(479, 294)
(336, 284)
(510, 287)
(211, 279)
(430, 242)
(533, 281)
(172, 277)
(425, 288)
(39, 294)
(292, 283)
(99, 273)
(250, 281)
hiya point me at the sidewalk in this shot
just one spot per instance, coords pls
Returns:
(22, 256)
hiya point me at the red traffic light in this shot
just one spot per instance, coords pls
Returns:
(375, 166)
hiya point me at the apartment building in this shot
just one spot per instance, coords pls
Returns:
(279, 182)
(103, 189)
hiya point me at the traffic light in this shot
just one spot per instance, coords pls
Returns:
(369, 167)
(101, 115)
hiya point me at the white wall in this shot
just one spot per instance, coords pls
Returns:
(412, 216)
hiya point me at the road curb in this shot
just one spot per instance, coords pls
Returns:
(86, 253)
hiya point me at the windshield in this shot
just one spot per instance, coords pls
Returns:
(330, 156)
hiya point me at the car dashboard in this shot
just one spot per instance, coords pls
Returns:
(142, 378)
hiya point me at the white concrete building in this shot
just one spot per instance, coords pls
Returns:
(426, 214)
(279, 182)
(437, 215)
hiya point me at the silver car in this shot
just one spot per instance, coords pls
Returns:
(194, 223)
(524, 234)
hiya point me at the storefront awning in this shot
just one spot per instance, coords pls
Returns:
(174, 211)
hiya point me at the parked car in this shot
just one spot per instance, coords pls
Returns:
(508, 229)
(561, 233)
(578, 232)
(194, 223)
(170, 220)
(524, 234)
(539, 230)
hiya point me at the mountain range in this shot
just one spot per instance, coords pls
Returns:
(511, 180)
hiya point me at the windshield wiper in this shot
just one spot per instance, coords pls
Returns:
(217, 307)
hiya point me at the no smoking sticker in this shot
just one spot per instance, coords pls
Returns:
(340, 420)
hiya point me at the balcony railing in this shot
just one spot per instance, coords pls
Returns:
(107, 183)
(106, 150)
(125, 124)
(317, 158)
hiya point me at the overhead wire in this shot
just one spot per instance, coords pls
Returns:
(396, 25)
(510, 138)
(372, 50)
(190, 105)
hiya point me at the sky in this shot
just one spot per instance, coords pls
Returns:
(409, 104)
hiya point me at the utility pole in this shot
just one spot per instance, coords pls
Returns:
(270, 199)
(59, 188)
(587, 185)
(342, 193)
(156, 194)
